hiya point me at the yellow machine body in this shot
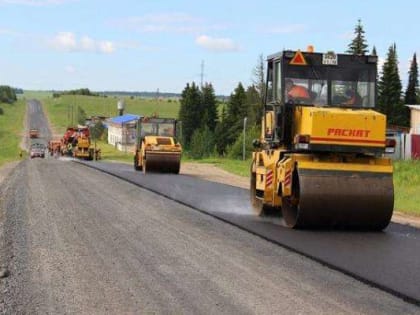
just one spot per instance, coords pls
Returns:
(83, 149)
(332, 172)
(157, 149)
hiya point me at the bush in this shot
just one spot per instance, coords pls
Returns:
(7, 94)
(1, 111)
(97, 130)
(202, 143)
(235, 151)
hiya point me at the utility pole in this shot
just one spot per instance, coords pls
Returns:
(243, 146)
(202, 74)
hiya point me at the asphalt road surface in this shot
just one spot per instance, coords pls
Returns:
(37, 120)
(389, 260)
(78, 241)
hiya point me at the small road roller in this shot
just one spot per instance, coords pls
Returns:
(157, 149)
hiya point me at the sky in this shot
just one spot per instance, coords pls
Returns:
(160, 44)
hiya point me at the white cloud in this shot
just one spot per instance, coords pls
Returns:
(70, 69)
(287, 29)
(35, 2)
(166, 22)
(216, 44)
(67, 42)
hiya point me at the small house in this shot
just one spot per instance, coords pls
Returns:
(122, 131)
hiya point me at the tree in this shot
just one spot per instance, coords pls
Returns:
(411, 94)
(237, 110)
(260, 87)
(221, 132)
(7, 94)
(209, 107)
(202, 143)
(358, 45)
(389, 91)
(373, 53)
(81, 115)
(96, 131)
(189, 112)
(253, 102)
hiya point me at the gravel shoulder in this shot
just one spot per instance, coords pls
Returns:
(80, 241)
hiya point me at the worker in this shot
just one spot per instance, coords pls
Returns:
(296, 92)
(352, 98)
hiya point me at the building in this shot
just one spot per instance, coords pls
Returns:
(415, 119)
(122, 131)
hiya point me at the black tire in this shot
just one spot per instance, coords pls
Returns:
(136, 163)
(290, 204)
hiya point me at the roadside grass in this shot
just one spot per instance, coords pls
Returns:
(109, 153)
(11, 128)
(407, 186)
(237, 167)
(62, 109)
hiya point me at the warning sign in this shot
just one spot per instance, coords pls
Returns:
(298, 59)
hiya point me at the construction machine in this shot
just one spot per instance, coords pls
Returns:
(320, 160)
(82, 147)
(156, 147)
(76, 142)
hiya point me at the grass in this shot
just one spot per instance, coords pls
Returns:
(237, 167)
(109, 153)
(61, 110)
(39, 95)
(11, 128)
(407, 186)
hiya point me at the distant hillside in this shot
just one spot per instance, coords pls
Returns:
(140, 94)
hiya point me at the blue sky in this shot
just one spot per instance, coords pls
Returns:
(149, 45)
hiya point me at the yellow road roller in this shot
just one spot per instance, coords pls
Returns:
(321, 158)
(157, 149)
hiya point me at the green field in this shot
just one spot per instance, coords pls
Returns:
(407, 186)
(11, 129)
(39, 95)
(62, 111)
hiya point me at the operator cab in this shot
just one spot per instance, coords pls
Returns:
(316, 79)
(329, 80)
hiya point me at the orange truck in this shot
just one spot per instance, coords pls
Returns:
(33, 133)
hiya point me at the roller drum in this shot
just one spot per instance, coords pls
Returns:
(162, 162)
(339, 199)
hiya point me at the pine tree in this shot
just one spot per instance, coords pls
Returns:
(236, 112)
(373, 53)
(411, 94)
(209, 107)
(259, 85)
(253, 102)
(358, 45)
(190, 111)
(221, 131)
(389, 91)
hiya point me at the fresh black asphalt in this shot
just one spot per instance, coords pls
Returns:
(389, 260)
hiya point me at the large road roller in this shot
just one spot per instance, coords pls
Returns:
(157, 149)
(321, 159)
